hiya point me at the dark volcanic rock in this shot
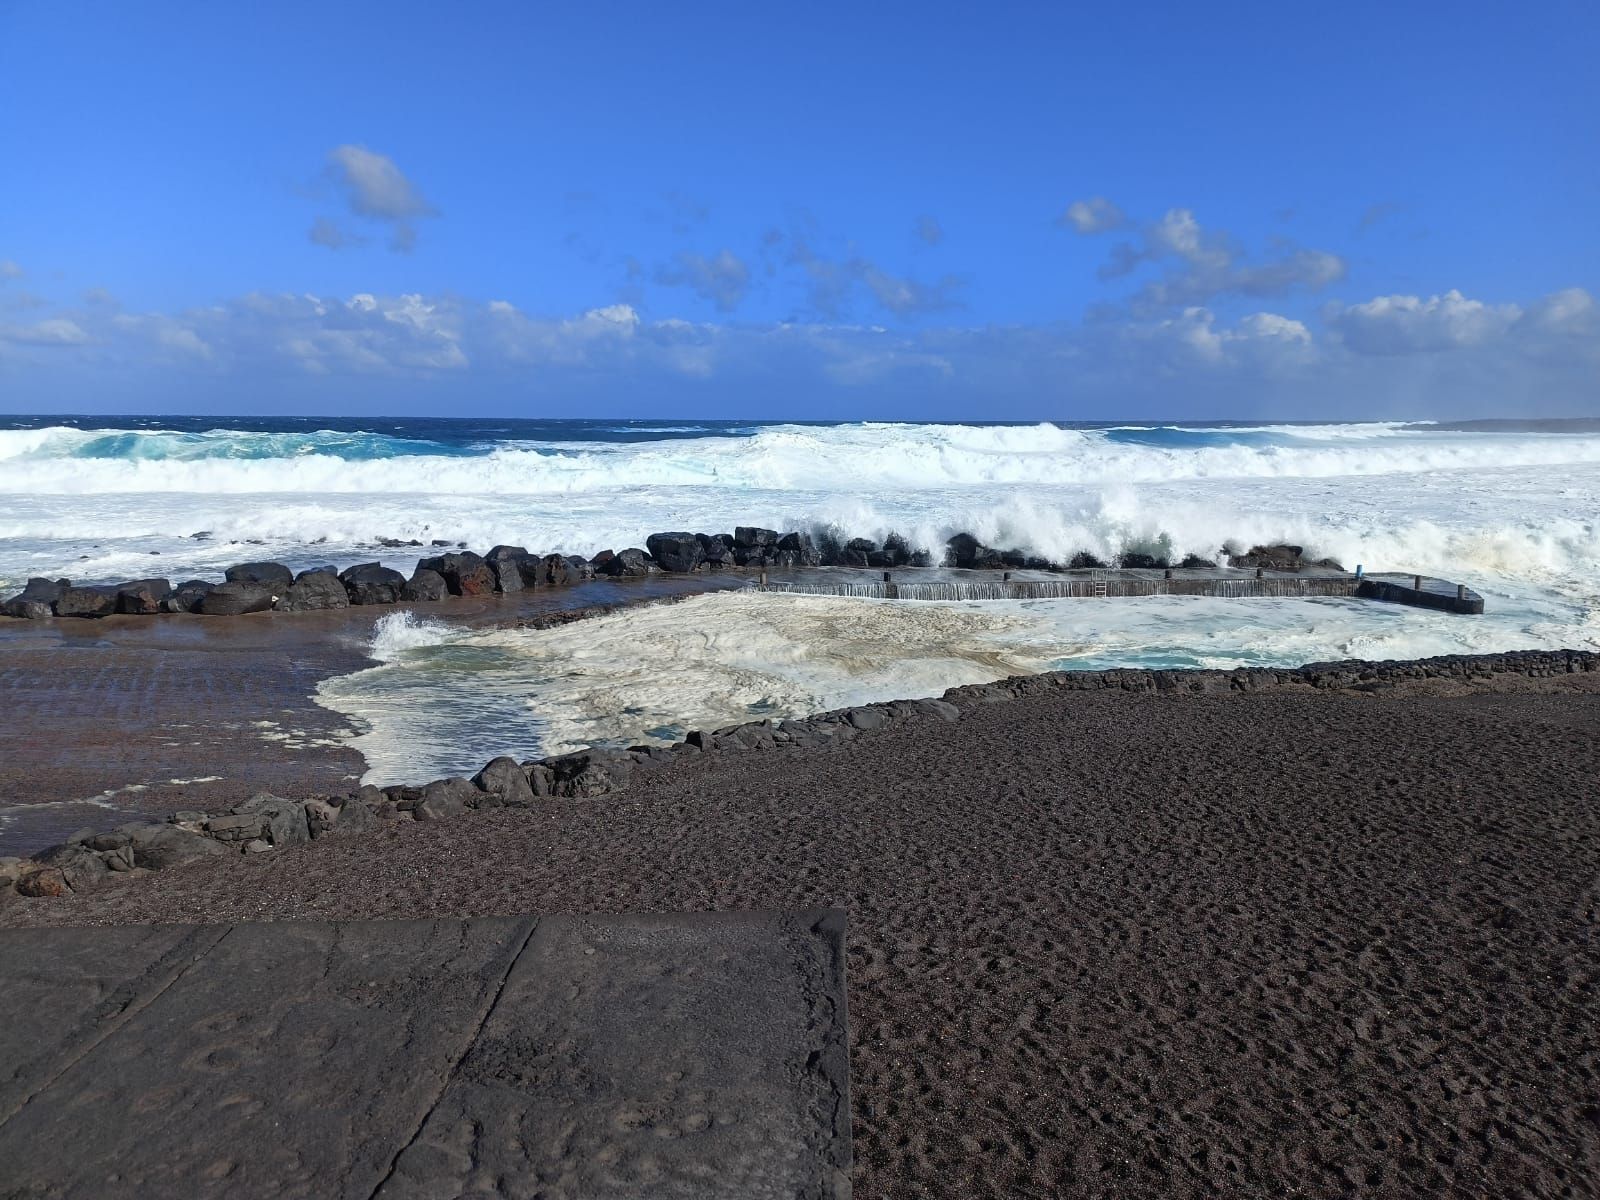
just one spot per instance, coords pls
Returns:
(589, 772)
(36, 600)
(465, 573)
(447, 798)
(232, 599)
(798, 550)
(1274, 558)
(157, 847)
(372, 583)
(751, 538)
(967, 552)
(556, 571)
(1083, 561)
(716, 550)
(675, 552)
(314, 590)
(142, 596)
(186, 597)
(425, 585)
(325, 570)
(507, 564)
(260, 572)
(1137, 560)
(507, 782)
(1193, 562)
(626, 563)
(580, 567)
(86, 602)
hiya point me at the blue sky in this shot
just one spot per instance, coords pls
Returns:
(884, 210)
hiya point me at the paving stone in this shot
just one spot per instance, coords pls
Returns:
(696, 1056)
(699, 1055)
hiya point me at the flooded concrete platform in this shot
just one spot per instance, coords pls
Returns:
(692, 1055)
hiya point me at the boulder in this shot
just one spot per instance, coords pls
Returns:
(752, 538)
(716, 550)
(1193, 562)
(580, 567)
(43, 881)
(506, 781)
(325, 818)
(80, 867)
(260, 572)
(556, 571)
(465, 573)
(675, 552)
(506, 563)
(1278, 557)
(798, 550)
(36, 600)
(142, 596)
(447, 798)
(186, 597)
(1084, 561)
(157, 847)
(426, 586)
(626, 564)
(232, 599)
(314, 590)
(372, 583)
(588, 772)
(329, 569)
(1139, 561)
(968, 553)
(86, 602)
(283, 822)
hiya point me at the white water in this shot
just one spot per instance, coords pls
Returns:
(445, 700)
(1516, 515)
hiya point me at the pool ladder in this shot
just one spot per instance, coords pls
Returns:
(1097, 584)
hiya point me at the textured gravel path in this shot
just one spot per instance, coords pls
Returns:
(1109, 944)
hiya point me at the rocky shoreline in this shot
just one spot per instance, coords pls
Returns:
(266, 822)
(254, 587)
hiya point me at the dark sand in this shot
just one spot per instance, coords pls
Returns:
(133, 706)
(1107, 944)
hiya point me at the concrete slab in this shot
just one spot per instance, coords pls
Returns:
(695, 1055)
(653, 1056)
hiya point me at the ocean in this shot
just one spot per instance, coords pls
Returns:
(1510, 508)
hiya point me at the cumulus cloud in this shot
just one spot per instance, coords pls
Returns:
(721, 279)
(1411, 356)
(1198, 265)
(1409, 324)
(1094, 215)
(376, 190)
(929, 230)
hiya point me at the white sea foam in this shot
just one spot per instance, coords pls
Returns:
(653, 673)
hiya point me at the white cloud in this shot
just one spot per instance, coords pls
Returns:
(1201, 265)
(1409, 324)
(376, 190)
(1539, 358)
(54, 331)
(10, 270)
(1094, 215)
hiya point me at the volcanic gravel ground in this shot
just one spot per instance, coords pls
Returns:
(1107, 944)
